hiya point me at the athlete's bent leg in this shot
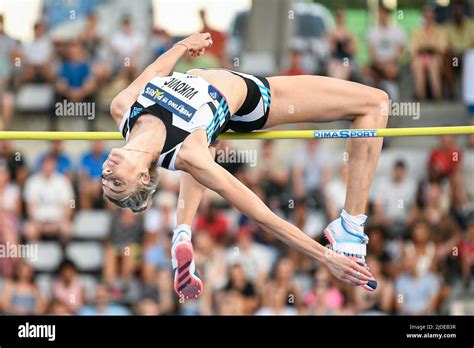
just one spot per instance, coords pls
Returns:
(297, 99)
(321, 99)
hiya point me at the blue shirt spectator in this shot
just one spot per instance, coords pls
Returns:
(91, 164)
(63, 161)
(110, 309)
(417, 292)
(103, 305)
(75, 73)
(76, 82)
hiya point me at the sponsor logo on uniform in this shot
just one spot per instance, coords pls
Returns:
(135, 111)
(213, 92)
(169, 102)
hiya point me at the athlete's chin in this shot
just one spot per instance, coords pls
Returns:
(116, 153)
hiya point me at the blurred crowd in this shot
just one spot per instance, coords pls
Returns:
(421, 231)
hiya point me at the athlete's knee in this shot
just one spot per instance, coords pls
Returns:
(118, 106)
(378, 108)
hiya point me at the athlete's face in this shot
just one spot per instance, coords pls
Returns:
(119, 174)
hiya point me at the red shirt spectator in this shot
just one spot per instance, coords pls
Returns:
(214, 221)
(445, 159)
(295, 65)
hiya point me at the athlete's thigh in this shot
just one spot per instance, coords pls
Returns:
(307, 98)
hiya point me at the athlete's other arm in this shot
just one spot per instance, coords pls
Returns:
(195, 44)
(195, 159)
(190, 196)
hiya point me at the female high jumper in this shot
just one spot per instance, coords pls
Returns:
(172, 120)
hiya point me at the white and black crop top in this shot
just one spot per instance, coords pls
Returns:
(185, 103)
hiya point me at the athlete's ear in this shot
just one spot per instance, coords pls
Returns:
(144, 176)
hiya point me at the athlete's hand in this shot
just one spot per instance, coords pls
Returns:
(197, 43)
(345, 269)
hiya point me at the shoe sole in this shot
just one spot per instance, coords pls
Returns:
(186, 284)
(371, 284)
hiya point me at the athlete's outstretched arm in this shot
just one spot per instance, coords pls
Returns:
(195, 159)
(194, 44)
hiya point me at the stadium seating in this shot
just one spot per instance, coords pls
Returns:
(87, 256)
(91, 224)
(50, 255)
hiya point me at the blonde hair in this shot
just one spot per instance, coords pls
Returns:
(141, 197)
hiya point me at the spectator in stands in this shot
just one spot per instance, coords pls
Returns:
(209, 256)
(421, 247)
(335, 193)
(123, 248)
(90, 173)
(56, 307)
(324, 298)
(310, 175)
(10, 210)
(239, 282)
(444, 228)
(445, 162)
(94, 44)
(20, 295)
(167, 296)
(127, 48)
(466, 253)
(90, 38)
(231, 303)
(147, 306)
(416, 293)
(271, 173)
(376, 302)
(219, 39)
(460, 38)
(256, 259)
(343, 47)
(76, 82)
(67, 288)
(8, 54)
(159, 222)
(379, 248)
(49, 201)
(284, 278)
(161, 41)
(394, 197)
(386, 45)
(102, 305)
(62, 160)
(37, 57)
(275, 302)
(161, 291)
(295, 67)
(428, 46)
(15, 161)
(214, 220)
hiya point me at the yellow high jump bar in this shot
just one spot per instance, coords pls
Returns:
(284, 134)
